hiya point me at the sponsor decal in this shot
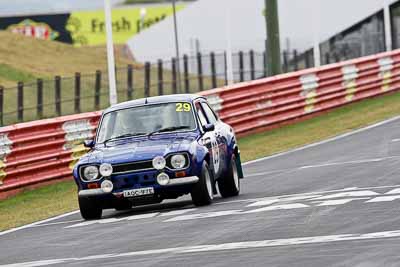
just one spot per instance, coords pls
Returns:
(385, 68)
(309, 84)
(350, 75)
(5, 149)
(75, 133)
(34, 29)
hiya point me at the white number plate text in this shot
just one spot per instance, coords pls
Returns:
(139, 192)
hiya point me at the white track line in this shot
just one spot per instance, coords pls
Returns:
(309, 193)
(354, 162)
(39, 222)
(220, 247)
(57, 223)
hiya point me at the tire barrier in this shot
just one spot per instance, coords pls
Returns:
(45, 151)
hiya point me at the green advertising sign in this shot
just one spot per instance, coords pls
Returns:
(88, 27)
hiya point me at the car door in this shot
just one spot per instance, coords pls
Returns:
(209, 140)
(219, 135)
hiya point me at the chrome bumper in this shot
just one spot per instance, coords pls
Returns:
(172, 182)
(183, 180)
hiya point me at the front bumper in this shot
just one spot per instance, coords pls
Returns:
(172, 182)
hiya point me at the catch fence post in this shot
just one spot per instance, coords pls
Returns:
(200, 71)
(97, 88)
(241, 66)
(39, 106)
(174, 76)
(226, 68)
(20, 101)
(147, 79)
(77, 102)
(57, 87)
(160, 73)
(252, 65)
(129, 81)
(186, 73)
(213, 70)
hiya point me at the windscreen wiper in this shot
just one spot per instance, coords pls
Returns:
(169, 129)
(122, 136)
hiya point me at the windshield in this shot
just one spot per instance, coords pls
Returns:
(146, 120)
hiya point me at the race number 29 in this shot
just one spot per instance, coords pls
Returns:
(183, 107)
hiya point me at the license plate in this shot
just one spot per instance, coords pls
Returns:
(139, 192)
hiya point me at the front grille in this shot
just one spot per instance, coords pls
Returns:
(132, 167)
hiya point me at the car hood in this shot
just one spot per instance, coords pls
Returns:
(140, 149)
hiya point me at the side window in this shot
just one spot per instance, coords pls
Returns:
(212, 118)
(202, 117)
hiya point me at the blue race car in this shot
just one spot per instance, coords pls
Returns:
(157, 148)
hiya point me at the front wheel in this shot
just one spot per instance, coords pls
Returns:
(229, 185)
(202, 192)
(90, 210)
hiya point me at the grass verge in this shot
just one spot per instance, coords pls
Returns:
(38, 204)
(60, 198)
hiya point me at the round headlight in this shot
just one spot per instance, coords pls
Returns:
(162, 179)
(106, 169)
(159, 163)
(178, 161)
(107, 186)
(90, 173)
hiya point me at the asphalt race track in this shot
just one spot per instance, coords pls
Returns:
(330, 204)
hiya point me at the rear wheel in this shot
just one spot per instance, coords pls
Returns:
(202, 192)
(90, 210)
(229, 185)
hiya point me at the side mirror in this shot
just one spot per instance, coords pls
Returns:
(209, 127)
(88, 143)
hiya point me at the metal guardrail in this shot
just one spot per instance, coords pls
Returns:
(45, 151)
(268, 103)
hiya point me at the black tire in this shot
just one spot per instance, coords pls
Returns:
(202, 193)
(123, 205)
(89, 209)
(229, 185)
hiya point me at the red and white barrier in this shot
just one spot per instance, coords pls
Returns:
(271, 102)
(40, 152)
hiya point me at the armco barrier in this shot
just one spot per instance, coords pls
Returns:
(38, 152)
(45, 151)
(267, 103)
